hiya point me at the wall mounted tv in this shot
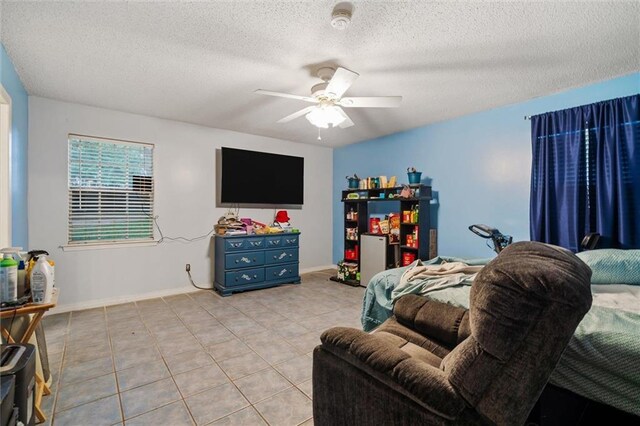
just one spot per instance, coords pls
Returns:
(260, 178)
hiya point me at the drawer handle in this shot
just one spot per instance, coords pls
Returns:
(291, 241)
(284, 271)
(236, 245)
(256, 243)
(282, 256)
(245, 259)
(274, 242)
(246, 277)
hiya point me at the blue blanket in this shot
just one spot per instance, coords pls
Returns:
(599, 363)
(378, 305)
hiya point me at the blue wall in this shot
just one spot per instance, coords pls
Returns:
(19, 134)
(479, 165)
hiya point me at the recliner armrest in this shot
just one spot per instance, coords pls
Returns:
(440, 321)
(418, 380)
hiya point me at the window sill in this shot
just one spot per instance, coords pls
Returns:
(103, 246)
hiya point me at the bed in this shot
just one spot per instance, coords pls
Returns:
(601, 360)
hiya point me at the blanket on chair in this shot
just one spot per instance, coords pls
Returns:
(423, 279)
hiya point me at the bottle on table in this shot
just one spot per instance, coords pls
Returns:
(8, 279)
(42, 280)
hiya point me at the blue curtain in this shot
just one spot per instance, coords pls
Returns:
(586, 174)
(614, 142)
(558, 213)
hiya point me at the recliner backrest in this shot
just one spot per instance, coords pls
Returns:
(524, 307)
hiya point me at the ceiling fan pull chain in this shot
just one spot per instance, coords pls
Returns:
(319, 137)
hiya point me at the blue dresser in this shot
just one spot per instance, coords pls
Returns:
(248, 262)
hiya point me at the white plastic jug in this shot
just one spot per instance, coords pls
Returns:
(42, 281)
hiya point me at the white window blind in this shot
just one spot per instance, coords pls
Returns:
(110, 191)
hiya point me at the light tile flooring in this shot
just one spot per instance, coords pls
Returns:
(195, 358)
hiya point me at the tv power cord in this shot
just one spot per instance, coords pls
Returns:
(188, 269)
(178, 239)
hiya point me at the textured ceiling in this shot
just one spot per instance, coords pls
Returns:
(200, 62)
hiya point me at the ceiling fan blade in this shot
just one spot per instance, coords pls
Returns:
(342, 79)
(296, 114)
(286, 95)
(371, 102)
(347, 121)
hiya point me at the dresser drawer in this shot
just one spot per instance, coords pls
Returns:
(239, 244)
(244, 260)
(273, 242)
(281, 272)
(245, 276)
(255, 243)
(281, 256)
(290, 240)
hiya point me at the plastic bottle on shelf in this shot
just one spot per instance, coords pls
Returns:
(42, 281)
(8, 279)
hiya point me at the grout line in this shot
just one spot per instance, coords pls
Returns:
(269, 365)
(113, 364)
(162, 357)
(159, 407)
(60, 371)
(216, 364)
(193, 419)
(209, 309)
(141, 317)
(59, 383)
(229, 378)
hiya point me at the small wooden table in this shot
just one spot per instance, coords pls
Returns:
(35, 313)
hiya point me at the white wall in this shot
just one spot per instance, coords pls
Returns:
(185, 201)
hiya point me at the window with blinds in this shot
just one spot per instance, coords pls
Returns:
(110, 191)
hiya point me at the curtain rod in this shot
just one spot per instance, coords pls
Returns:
(527, 117)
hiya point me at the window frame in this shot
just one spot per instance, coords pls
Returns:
(6, 222)
(107, 244)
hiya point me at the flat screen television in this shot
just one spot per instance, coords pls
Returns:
(251, 177)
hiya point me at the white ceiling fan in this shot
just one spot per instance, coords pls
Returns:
(328, 100)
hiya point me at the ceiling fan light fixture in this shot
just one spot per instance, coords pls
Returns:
(328, 100)
(325, 116)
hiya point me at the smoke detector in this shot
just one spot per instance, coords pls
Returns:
(341, 15)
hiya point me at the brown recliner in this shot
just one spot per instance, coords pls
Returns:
(433, 363)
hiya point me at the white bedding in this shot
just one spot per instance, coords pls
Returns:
(617, 296)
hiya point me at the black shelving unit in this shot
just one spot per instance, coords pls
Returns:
(360, 206)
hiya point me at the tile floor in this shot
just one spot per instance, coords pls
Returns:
(195, 358)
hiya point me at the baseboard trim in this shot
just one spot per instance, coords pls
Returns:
(98, 303)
